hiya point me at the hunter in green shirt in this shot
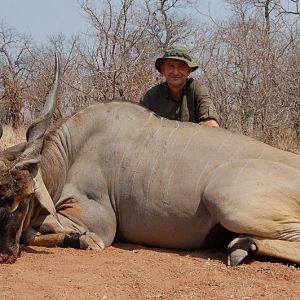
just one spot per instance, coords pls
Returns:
(179, 97)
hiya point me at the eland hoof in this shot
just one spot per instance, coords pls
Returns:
(92, 241)
(239, 249)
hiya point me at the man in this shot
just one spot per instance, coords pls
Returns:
(179, 97)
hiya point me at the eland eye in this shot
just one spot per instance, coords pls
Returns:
(6, 201)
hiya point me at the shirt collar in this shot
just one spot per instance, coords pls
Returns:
(168, 92)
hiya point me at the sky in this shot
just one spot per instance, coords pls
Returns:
(40, 18)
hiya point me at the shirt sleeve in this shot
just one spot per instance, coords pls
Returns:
(146, 99)
(204, 106)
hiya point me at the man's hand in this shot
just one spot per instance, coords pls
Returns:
(210, 122)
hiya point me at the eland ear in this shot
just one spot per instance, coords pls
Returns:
(30, 157)
(27, 164)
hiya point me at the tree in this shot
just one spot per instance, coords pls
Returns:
(168, 25)
(70, 97)
(114, 50)
(253, 72)
(14, 75)
(125, 38)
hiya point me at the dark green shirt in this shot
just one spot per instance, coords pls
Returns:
(195, 104)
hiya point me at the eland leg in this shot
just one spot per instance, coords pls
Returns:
(260, 200)
(241, 247)
(84, 224)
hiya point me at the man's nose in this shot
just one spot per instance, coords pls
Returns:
(175, 70)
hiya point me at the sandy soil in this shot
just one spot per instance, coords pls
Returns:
(128, 271)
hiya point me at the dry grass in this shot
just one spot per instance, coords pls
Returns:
(286, 140)
(12, 136)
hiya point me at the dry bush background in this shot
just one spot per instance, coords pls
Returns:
(250, 62)
(12, 136)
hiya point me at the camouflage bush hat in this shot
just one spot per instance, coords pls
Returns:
(179, 53)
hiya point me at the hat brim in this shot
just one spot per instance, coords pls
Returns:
(160, 61)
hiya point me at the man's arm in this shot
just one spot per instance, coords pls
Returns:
(146, 99)
(204, 106)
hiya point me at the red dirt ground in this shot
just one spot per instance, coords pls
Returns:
(128, 271)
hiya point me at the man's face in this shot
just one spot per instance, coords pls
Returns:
(176, 72)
